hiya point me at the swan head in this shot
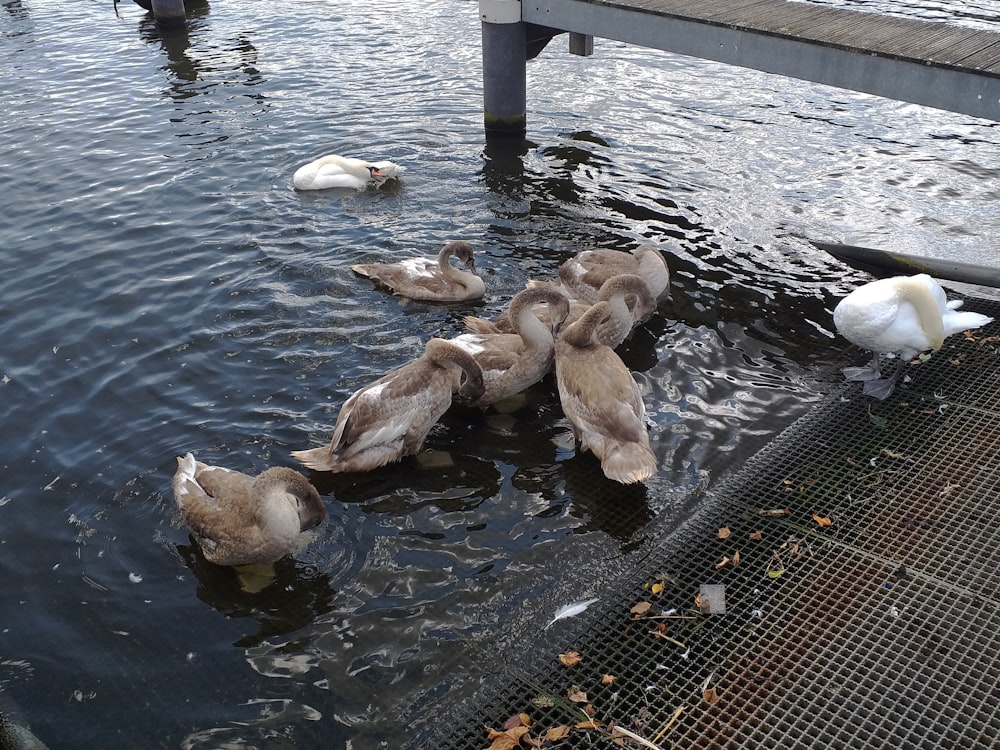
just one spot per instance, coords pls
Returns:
(380, 171)
(462, 252)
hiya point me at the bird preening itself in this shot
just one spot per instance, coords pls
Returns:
(390, 418)
(242, 520)
(430, 279)
(602, 401)
(333, 171)
(899, 316)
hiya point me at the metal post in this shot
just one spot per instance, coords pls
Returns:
(169, 12)
(505, 72)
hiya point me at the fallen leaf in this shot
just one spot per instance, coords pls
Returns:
(736, 557)
(505, 740)
(577, 695)
(822, 521)
(517, 720)
(570, 658)
(724, 532)
(589, 724)
(722, 563)
(641, 608)
(608, 679)
(656, 588)
(756, 536)
(557, 733)
(711, 695)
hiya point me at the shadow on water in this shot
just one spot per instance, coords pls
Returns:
(296, 597)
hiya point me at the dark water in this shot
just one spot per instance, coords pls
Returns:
(165, 290)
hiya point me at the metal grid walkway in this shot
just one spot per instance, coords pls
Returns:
(879, 629)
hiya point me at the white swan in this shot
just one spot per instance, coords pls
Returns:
(343, 171)
(242, 520)
(899, 316)
(390, 418)
(430, 279)
(602, 401)
(513, 362)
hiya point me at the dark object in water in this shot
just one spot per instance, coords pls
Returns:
(884, 263)
(14, 731)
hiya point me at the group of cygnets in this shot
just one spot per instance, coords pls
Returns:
(571, 325)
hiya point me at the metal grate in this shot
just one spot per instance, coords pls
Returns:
(881, 629)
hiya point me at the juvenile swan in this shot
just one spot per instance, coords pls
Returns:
(389, 419)
(430, 279)
(899, 316)
(602, 401)
(242, 520)
(512, 362)
(630, 298)
(584, 274)
(343, 171)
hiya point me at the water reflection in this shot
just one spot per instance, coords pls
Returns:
(298, 595)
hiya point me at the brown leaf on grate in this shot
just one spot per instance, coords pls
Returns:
(506, 740)
(517, 720)
(570, 658)
(577, 695)
(822, 520)
(608, 679)
(722, 563)
(756, 536)
(640, 609)
(557, 733)
(724, 532)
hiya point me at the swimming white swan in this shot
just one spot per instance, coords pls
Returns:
(242, 520)
(584, 274)
(602, 401)
(899, 316)
(430, 279)
(513, 362)
(343, 171)
(390, 418)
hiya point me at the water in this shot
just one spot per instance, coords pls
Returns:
(165, 290)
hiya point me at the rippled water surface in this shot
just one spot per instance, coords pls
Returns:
(165, 290)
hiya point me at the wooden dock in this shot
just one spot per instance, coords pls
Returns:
(940, 65)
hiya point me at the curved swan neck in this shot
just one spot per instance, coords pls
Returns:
(469, 375)
(462, 252)
(527, 324)
(917, 293)
(581, 333)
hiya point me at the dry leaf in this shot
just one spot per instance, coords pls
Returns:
(724, 532)
(756, 535)
(641, 608)
(589, 724)
(656, 588)
(518, 720)
(822, 521)
(570, 658)
(608, 679)
(722, 563)
(576, 695)
(711, 695)
(506, 740)
(736, 557)
(557, 733)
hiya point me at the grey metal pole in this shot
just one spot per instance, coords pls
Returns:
(169, 12)
(505, 63)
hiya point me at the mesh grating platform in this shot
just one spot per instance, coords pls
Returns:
(860, 560)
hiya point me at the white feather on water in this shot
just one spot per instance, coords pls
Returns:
(571, 610)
